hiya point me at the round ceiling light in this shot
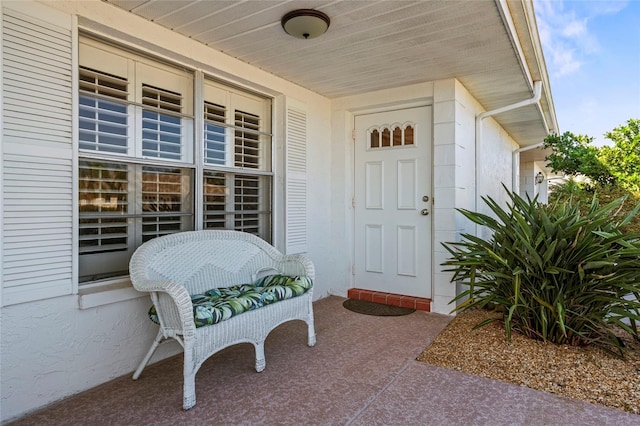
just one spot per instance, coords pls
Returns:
(305, 23)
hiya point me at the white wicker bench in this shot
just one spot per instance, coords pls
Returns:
(175, 267)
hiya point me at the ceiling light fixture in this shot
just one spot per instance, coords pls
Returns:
(305, 23)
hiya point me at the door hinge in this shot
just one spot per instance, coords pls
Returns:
(353, 135)
(353, 269)
(353, 201)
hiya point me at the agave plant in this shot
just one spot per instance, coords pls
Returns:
(557, 274)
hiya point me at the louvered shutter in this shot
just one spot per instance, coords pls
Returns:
(37, 153)
(296, 180)
(162, 134)
(103, 122)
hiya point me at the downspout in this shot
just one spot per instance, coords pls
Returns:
(537, 93)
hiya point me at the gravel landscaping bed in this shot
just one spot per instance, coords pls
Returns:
(584, 373)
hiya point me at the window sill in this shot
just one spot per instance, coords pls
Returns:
(106, 292)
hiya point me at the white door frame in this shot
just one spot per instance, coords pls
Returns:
(352, 123)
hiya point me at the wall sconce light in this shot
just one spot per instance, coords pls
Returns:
(539, 178)
(305, 23)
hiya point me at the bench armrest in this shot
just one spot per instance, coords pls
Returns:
(297, 264)
(173, 305)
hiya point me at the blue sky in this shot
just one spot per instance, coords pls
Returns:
(592, 51)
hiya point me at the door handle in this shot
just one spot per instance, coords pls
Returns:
(424, 212)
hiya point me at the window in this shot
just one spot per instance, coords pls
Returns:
(139, 160)
(237, 169)
(397, 135)
(123, 205)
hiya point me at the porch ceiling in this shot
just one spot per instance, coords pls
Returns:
(373, 45)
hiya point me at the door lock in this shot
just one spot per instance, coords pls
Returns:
(424, 212)
(425, 198)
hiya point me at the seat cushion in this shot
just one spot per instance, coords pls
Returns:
(220, 304)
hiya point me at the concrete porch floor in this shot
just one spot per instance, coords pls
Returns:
(361, 372)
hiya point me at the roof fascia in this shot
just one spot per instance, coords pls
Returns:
(521, 26)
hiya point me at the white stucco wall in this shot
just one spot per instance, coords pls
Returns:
(494, 156)
(526, 179)
(528, 185)
(495, 163)
(479, 166)
(464, 170)
(454, 177)
(51, 349)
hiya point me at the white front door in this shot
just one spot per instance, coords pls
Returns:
(393, 201)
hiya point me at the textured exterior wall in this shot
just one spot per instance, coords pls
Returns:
(527, 174)
(454, 181)
(51, 349)
(479, 168)
(464, 170)
(528, 185)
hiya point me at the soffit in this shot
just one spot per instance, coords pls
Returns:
(370, 45)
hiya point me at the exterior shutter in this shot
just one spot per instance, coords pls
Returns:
(37, 153)
(296, 180)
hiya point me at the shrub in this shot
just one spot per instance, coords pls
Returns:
(557, 274)
(584, 192)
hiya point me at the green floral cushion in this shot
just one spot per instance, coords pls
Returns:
(220, 304)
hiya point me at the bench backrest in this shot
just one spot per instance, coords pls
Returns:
(201, 260)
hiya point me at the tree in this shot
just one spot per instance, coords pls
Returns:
(617, 165)
(623, 158)
(574, 155)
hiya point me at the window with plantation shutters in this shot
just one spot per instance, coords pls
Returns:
(247, 203)
(138, 164)
(237, 155)
(123, 205)
(166, 206)
(216, 202)
(135, 168)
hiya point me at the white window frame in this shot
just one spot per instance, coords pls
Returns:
(118, 288)
(236, 101)
(138, 72)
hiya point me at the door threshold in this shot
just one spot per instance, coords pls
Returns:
(418, 303)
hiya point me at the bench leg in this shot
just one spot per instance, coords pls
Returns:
(312, 334)
(261, 363)
(147, 357)
(189, 394)
(310, 324)
(189, 379)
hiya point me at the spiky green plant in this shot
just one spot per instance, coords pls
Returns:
(584, 192)
(557, 274)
